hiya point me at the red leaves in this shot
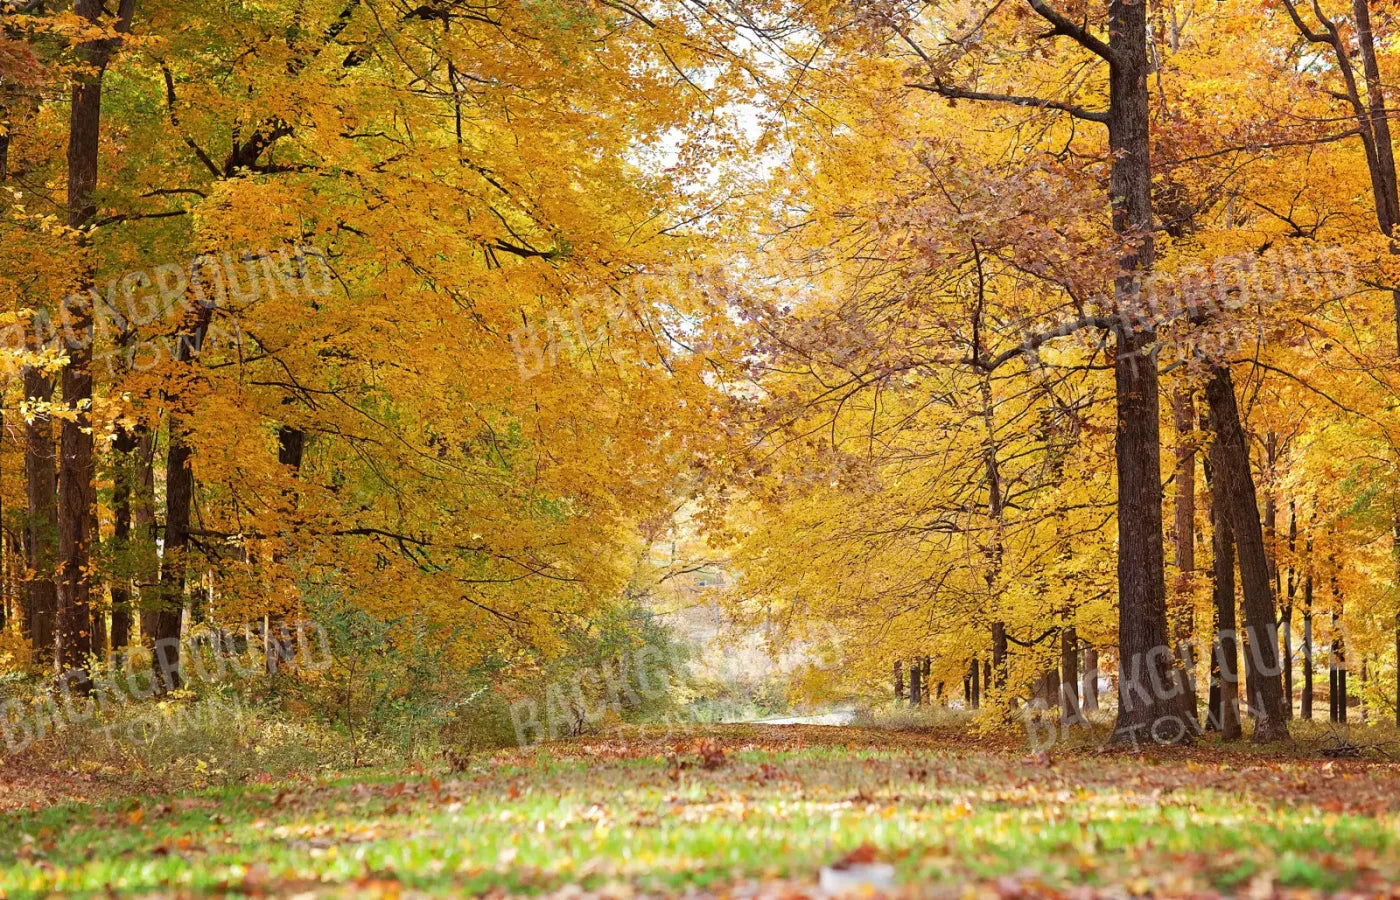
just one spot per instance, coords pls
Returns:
(860, 856)
(710, 755)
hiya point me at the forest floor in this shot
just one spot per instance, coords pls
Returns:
(747, 810)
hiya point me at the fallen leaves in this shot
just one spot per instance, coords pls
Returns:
(767, 808)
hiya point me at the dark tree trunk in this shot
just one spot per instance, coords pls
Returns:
(76, 490)
(1184, 539)
(915, 687)
(1225, 712)
(1306, 702)
(291, 445)
(41, 529)
(998, 661)
(1338, 667)
(145, 531)
(927, 669)
(1235, 483)
(1069, 677)
(1050, 689)
(973, 675)
(179, 494)
(1290, 595)
(123, 471)
(1147, 709)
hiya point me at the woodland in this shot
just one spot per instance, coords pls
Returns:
(437, 436)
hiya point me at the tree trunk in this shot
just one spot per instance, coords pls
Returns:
(179, 494)
(1235, 483)
(1146, 708)
(179, 491)
(915, 687)
(1306, 701)
(1091, 679)
(1290, 595)
(1069, 677)
(291, 444)
(998, 654)
(974, 680)
(1184, 539)
(1225, 711)
(898, 682)
(145, 531)
(41, 530)
(1338, 666)
(76, 490)
(123, 470)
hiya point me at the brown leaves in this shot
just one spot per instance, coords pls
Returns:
(709, 754)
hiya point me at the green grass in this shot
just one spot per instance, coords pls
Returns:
(943, 808)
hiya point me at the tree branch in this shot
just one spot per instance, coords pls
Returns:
(175, 123)
(954, 93)
(1078, 33)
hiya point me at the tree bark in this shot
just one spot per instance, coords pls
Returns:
(1146, 709)
(998, 654)
(1184, 539)
(1225, 711)
(76, 490)
(179, 494)
(145, 531)
(1235, 482)
(1306, 701)
(1069, 677)
(123, 472)
(41, 529)
(1290, 595)
(291, 445)
(1337, 668)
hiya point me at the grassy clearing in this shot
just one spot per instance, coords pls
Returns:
(740, 805)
